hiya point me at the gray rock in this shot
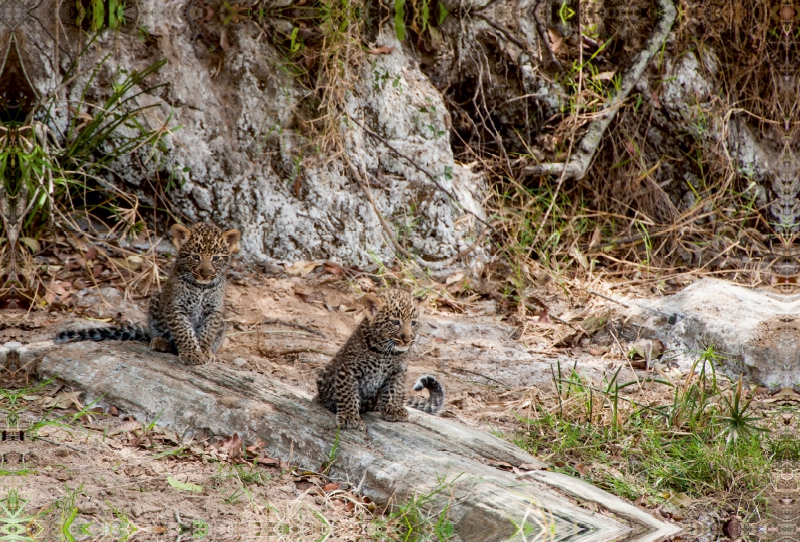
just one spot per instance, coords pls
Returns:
(756, 332)
(393, 460)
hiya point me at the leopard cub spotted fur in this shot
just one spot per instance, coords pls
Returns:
(369, 371)
(186, 316)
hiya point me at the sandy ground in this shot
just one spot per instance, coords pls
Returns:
(112, 476)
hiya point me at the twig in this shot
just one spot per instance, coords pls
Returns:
(503, 30)
(544, 38)
(267, 353)
(59, 444)
(275, 321)
(462, 370)
(576, 166)
(592, 292)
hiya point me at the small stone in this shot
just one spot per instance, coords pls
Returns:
(89, 507)
(240, 362)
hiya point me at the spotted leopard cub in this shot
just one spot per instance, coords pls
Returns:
(186, 316)
(369, 371)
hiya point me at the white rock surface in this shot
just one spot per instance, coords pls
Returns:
(249, 163)
(756, 332)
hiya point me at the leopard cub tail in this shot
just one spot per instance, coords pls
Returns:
(434, 403)
(115, 333)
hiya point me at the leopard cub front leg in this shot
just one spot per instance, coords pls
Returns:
(189, 352)
(348, 401)
(210, 335)
(393, 398)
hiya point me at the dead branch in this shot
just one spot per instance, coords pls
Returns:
(578, 164)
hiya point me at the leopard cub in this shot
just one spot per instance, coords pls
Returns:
(369, 372)
(186, 316)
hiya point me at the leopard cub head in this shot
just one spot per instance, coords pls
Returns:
(203, 251)
(392, 320)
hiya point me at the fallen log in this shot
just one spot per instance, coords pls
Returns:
(392, 461)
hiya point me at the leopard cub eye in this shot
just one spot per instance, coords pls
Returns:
(395, 322)
(414, 323)
(216, 258)
(196, 257)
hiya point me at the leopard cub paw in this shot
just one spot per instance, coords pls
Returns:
(350, 422)
(192, 358)
(160, 344)
(394, 413)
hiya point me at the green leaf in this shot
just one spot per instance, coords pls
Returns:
(443, 13)
(399, 19)
(81, 12)
(183, 486)
(98, 14)
(113, 21)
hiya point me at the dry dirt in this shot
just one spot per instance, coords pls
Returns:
(106, 467)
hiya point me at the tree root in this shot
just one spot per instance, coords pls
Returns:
(577, 166)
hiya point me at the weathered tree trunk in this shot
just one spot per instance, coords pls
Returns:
(395, 460)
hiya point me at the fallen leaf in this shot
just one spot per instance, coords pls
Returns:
(333, 268)
(555, 39)
(232, 446)
(594, 323)
(646, 349)
(59, 291)
(681, 499)
(582, 469)
(127, 427)
(308, 294)
(366, 283)
(385, 49)
(583, 260)
(604, 76)
(302, 268)
(223, 40)
(455, 277)
(267, 461)
(31, 243)
(437, 40)
(183, 486)
(327, 488)
(63, 400)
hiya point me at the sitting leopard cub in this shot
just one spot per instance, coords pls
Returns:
(369, 371)
(186, 316)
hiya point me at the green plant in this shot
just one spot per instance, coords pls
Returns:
(696, 443)
(101, 13)
(417, 519)
(332, 454)
(735, 420)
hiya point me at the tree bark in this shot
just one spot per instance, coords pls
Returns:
(393, 460)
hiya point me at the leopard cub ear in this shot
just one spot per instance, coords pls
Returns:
(421, 297)
(373, 304)
(180, 234)
(231, 239)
